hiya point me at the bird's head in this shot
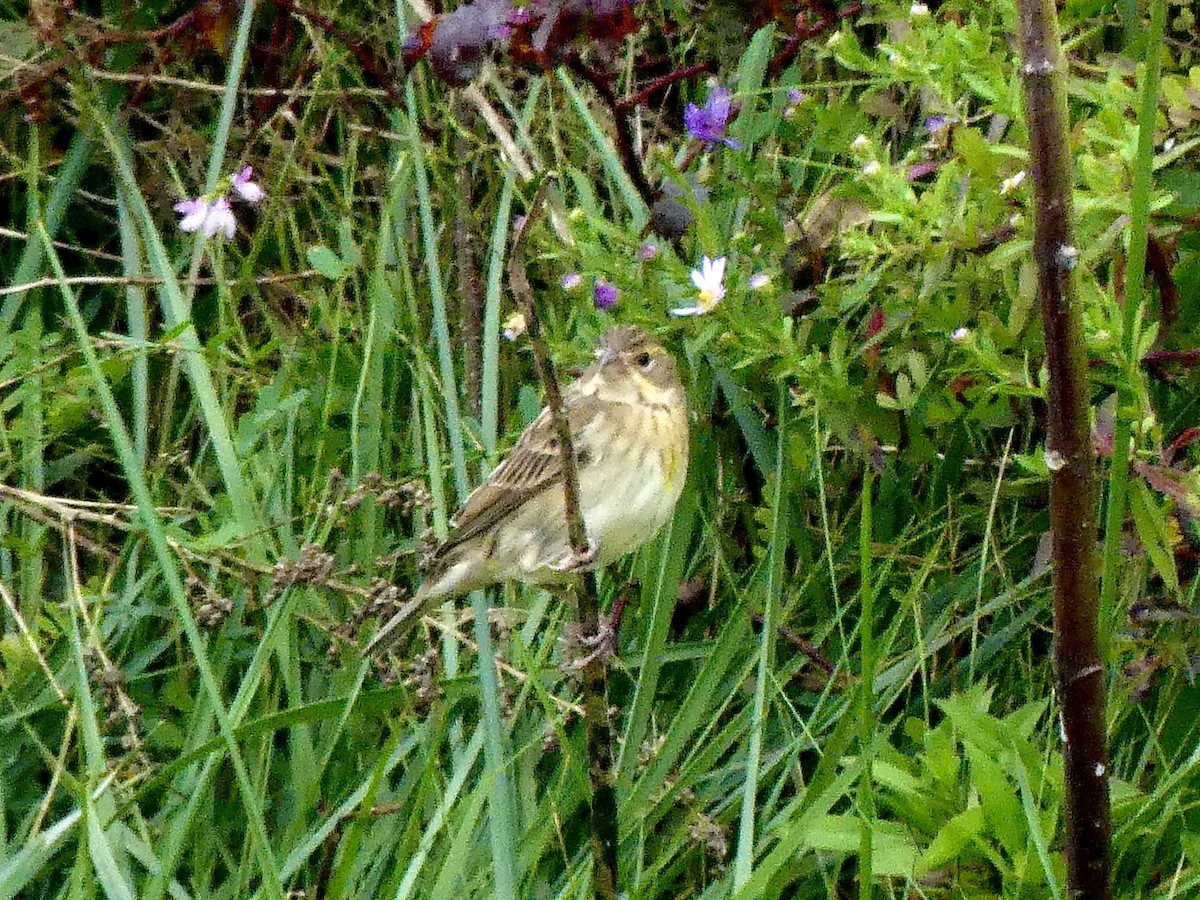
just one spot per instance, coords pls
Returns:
(631, 365)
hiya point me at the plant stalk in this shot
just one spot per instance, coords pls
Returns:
(1079, 673)
(602, 802)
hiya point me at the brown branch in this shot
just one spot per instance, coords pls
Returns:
(1185, 357)
(1159, 361)
(1159, 266)
(801, 643)
(602, 803)
(519, 284)
(190, 22)
(806, 31)
(466, 268)
(1079, 670)
(663, 81)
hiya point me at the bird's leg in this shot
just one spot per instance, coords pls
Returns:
(578, 561)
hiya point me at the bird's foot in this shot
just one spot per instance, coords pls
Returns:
(581, 650)
(577, 561)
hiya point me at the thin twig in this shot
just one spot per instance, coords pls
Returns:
(1183, 357)
(602, 806)
(63, 513)
(801, 643)
(806, 32)
(368, 57)
(127, 280)
(128, 710)
(466, 266)
(15, 612)
(663, 81)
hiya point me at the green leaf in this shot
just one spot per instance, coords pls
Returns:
(351, 255)
(326, 262)
(1153, 532)
(975, 151)
(894, 851)
(751, 71)
(952, 838)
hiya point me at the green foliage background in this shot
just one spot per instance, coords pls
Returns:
(220, 462)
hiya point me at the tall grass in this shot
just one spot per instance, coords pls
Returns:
(222, 461)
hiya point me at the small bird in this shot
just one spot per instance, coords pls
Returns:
(629, 425)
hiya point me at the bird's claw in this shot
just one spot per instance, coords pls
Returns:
(602, 645)
(578, 561)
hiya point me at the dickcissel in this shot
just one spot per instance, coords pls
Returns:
(629, 425)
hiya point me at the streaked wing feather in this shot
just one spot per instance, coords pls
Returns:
(534, 464)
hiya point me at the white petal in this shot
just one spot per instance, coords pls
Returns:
(220, 218)
(249, 191)
(194, 213)
(687, 311)
(193, 221)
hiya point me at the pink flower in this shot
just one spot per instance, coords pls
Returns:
(194, 213)
(250, 191)
(220, 218)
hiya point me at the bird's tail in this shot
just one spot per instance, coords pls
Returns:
(399, 625)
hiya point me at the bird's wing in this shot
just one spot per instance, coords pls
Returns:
(534, 464)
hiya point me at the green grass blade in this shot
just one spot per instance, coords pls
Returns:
(158, 541)
(449, 798)
(662, 593)
(441, 327)
(66, 183)
(638, 214)
(1135, 273)
(177, 312)
(113, 880)
(744, 860)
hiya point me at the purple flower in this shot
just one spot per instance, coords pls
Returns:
(250, 191)
(795, 95)
(647, 251)
(605, 295)
(934, 124)
(707, 123)
(571, 280)
(194, 213)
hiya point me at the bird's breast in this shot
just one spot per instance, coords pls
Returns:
(635, 470)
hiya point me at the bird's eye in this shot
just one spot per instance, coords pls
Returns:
(644, 360)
